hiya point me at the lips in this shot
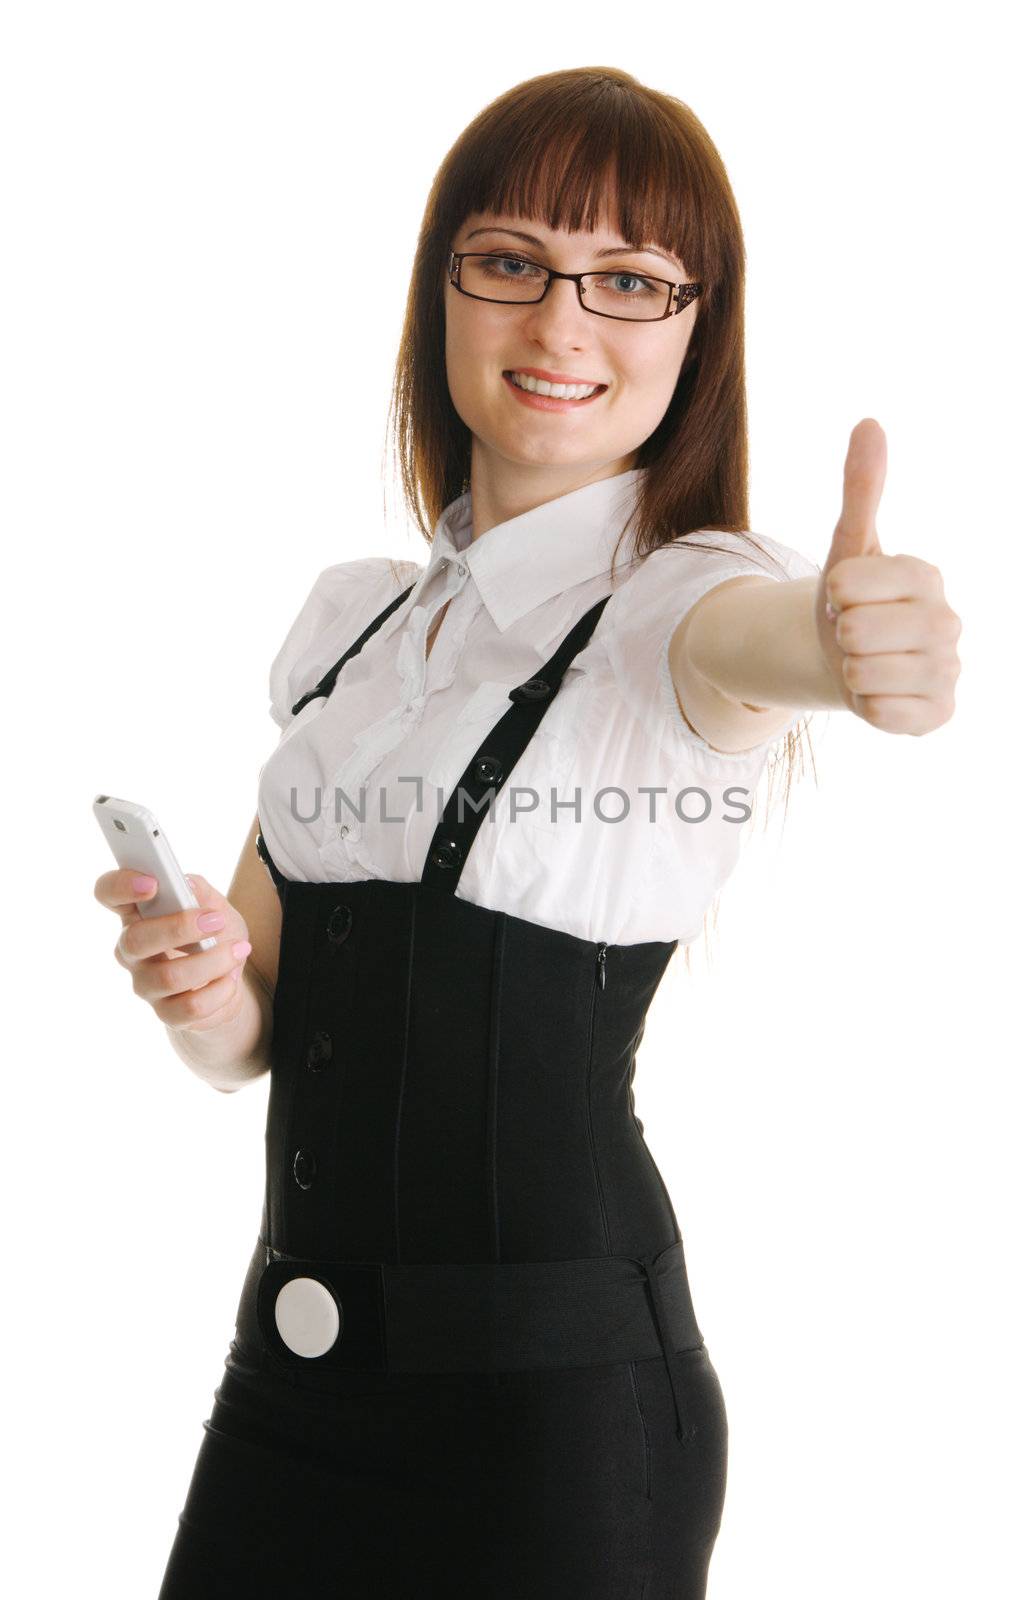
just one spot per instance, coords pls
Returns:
(550, 377)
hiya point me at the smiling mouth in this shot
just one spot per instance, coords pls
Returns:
(571, 400)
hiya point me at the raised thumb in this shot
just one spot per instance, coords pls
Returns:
(864, 474)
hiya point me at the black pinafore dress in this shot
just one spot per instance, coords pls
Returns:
(466, 1359)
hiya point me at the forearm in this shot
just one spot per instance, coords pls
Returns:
(235, 1052)
(758, 644)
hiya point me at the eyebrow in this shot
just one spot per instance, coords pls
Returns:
(613, 250)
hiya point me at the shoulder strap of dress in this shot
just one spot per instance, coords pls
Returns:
(326, 683)
(325, 687)
(497, 755)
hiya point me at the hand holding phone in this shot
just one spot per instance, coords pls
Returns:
(191, 991)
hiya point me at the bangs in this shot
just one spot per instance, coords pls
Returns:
(580, 161)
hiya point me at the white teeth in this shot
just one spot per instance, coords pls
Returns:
(558, 391)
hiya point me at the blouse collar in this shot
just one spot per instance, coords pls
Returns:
(519, 564)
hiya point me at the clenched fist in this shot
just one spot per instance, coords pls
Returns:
(884, 624)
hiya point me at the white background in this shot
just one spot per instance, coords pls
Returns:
(195, 373)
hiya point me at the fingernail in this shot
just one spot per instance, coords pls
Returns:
(210, 920)
(831, 611)
(240, 950)
(144, 885)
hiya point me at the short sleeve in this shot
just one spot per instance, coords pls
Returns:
(343, 595)
(640, 619)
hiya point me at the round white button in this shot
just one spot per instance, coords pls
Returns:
(461, 569)
(306, 1317)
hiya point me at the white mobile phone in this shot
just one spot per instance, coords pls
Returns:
(136, 841)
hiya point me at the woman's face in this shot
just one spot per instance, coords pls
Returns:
(639, 362)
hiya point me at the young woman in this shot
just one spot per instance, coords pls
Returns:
(508, 785)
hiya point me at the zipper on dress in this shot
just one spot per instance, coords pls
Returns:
(600, 983)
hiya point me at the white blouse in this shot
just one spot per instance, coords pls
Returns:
(618, 823)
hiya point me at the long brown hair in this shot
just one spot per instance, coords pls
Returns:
(560, 149)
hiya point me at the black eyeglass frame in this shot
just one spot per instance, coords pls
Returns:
(679, 295)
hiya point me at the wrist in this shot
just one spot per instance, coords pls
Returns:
(235, 1048)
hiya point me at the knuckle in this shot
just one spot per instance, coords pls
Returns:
(193, 1004)
(167, 978)
(914, 565)
(848, 632)
(913, 574)
(144, 981)
(946, 627)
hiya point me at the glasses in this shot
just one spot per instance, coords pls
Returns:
(487, 277)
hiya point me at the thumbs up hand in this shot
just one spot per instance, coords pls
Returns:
(884, 626)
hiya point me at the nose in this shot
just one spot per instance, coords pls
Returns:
(560, 311)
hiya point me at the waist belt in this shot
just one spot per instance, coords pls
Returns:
(481, 1316)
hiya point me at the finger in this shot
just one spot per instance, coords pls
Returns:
(151, 936)
(864, 474)
(909, 672)
(873, 629)
(195, 1006)
(858, 580)
(902, 713)
(123, 889)
(156, 979)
